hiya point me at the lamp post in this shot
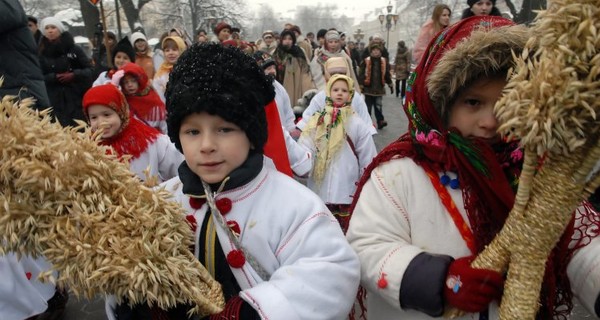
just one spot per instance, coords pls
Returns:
(358, 36)
(389, 18)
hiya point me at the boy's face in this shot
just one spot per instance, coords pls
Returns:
(130, 84)
(339, 92)
(121, 58)
(212, 147)
(104, 118)
(172, 54)
(472, 112)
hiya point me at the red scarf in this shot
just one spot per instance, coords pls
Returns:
(275, 146)
(133, 139)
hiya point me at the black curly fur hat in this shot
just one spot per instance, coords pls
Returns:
(223, 81)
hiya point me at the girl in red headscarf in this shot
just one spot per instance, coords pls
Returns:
(433, 199)
(143, 100)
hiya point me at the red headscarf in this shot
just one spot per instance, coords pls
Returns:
(145, 103)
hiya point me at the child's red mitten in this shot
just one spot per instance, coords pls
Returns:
(471, 289)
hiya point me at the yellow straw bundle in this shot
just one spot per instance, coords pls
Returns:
(550, 105)
(63, 197)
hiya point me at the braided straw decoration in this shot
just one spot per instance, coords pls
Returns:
(102, 230)
(550, 105)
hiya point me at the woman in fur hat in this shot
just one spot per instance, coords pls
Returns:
(481, 8)
(67, 71)
(433, 199)
(293, 71)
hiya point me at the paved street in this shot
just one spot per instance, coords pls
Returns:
(397, 124)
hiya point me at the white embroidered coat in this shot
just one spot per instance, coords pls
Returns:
(161, 158)
(314, 273)
(399, 215)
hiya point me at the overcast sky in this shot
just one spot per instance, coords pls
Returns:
(352, 8)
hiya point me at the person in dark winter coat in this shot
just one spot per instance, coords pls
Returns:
(20, 69)
(32, 23)
(67, 71)
(402, 68)
(20, 66)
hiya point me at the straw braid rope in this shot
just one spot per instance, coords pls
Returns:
(550, 105)
(103, 231)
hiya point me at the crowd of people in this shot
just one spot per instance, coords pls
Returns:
(310, 221)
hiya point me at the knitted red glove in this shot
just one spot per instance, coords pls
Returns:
(471, 289)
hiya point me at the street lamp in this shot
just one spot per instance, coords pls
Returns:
(388, 18)
(358, 35)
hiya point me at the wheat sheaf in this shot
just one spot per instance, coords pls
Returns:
(63, 197)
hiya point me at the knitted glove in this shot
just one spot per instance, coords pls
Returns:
(471, 289)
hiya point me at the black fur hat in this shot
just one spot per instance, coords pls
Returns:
(223, 81)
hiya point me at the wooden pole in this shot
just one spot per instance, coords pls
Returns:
(105, 36)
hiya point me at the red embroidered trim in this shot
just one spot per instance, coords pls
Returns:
(459, 221)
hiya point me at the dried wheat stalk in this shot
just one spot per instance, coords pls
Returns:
(550, 105)
(105, 232)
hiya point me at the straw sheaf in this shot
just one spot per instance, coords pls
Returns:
(485, 52)
(551, 102)
(105, 233)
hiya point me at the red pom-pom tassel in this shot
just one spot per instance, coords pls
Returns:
(236, 258)
(382, 282)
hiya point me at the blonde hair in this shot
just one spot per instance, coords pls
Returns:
(435, 16)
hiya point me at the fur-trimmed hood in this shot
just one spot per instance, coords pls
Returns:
(483, 53)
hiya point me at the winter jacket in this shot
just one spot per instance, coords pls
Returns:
(20, 66)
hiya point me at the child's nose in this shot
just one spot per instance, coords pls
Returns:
(207, 143)
(488, 120)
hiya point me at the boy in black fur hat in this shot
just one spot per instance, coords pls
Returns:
(259, 242)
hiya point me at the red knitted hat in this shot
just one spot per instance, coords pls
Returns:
(110, 96)
(222, 25)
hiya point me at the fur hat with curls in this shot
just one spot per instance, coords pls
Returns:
(222, 81)
(485, 52)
